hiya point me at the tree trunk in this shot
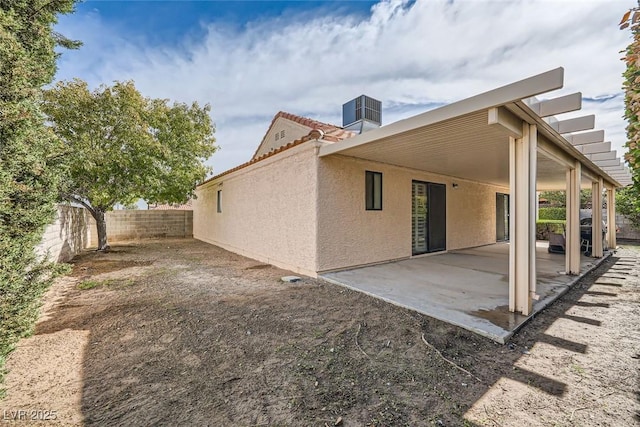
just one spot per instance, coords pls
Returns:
(101, 225)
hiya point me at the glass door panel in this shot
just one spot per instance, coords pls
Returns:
(419, 218)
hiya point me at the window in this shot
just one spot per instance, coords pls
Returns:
(277, 135)
(281, 134)
(219, 201)
(373, 190)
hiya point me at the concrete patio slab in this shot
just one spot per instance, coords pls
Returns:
(468, 288)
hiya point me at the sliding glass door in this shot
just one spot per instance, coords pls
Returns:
(428, 217)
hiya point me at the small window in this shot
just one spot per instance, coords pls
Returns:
(219, 201)
(282, 134)
(373, 190)
(277, 136)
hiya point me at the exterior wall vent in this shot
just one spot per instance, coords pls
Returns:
(362, 114)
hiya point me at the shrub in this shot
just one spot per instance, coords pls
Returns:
(628, 204)
(29, 160)
(552, 213)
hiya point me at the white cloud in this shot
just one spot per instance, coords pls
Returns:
(408, 55)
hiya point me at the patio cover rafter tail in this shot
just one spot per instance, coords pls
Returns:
(559, 105)
(574, 125)
(602, 156)
(575, 152)
(600, 147)
(590, 137)
(609, 163)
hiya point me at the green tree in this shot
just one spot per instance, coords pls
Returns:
(121, 146)
(554, 198)
(559, 198)
(628, 199)
(631, 86)
(29, 172)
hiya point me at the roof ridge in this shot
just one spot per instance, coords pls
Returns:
(306, 121)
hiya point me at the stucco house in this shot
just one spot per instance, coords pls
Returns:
(318, 198)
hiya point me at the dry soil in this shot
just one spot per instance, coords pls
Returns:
(178, 332)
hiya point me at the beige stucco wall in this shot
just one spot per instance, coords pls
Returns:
(349, 235)
(124, 225)
(67, 235)
(292, 131)
(268, 210)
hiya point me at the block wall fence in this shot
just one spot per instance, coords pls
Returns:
(626, 231)
(74, 229)
(129, 225)
(67, 235)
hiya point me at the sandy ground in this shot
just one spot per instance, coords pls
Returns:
(183, 333)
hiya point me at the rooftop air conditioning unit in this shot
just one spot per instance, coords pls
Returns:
(362, 114)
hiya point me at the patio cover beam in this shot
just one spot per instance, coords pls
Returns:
(587, 173)
(554, 153)
(507, 120)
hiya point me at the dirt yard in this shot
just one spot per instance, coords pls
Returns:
(183, 333)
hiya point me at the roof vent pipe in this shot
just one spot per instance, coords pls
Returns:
(362, 114)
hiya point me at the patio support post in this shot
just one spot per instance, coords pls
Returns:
(533, 215)
(522, 248)
(572, 244)
(596, 218)
(611, 218)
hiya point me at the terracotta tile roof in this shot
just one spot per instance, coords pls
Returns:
(320, 131)
(332, 133)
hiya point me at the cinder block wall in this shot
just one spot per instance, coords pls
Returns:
(144, 224)
(626, 230)
(67, 235)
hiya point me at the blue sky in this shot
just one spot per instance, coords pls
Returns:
(251, 59)
(168, 22)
